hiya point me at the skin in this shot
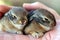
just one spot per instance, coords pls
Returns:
(51, 35)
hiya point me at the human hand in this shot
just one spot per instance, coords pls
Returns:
(51, 35)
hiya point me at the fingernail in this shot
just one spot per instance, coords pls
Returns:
(30, 3)
(35, 2)
(26, 4)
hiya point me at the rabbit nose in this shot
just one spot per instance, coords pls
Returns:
(22, 22)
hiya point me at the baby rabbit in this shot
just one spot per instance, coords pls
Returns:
(41, 21)
(14, 20)
(34, 29)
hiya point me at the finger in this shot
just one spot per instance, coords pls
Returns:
(30, 6)
(36, 5)
(3, 10)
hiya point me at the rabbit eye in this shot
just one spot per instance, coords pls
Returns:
(46, 20)
(14, 17)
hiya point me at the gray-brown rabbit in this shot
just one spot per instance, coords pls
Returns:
(14, 20)
(41, 21)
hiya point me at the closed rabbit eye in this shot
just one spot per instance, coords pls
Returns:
(46, 20)
(14, 17)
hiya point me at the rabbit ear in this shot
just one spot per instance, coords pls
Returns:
(9, 15)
